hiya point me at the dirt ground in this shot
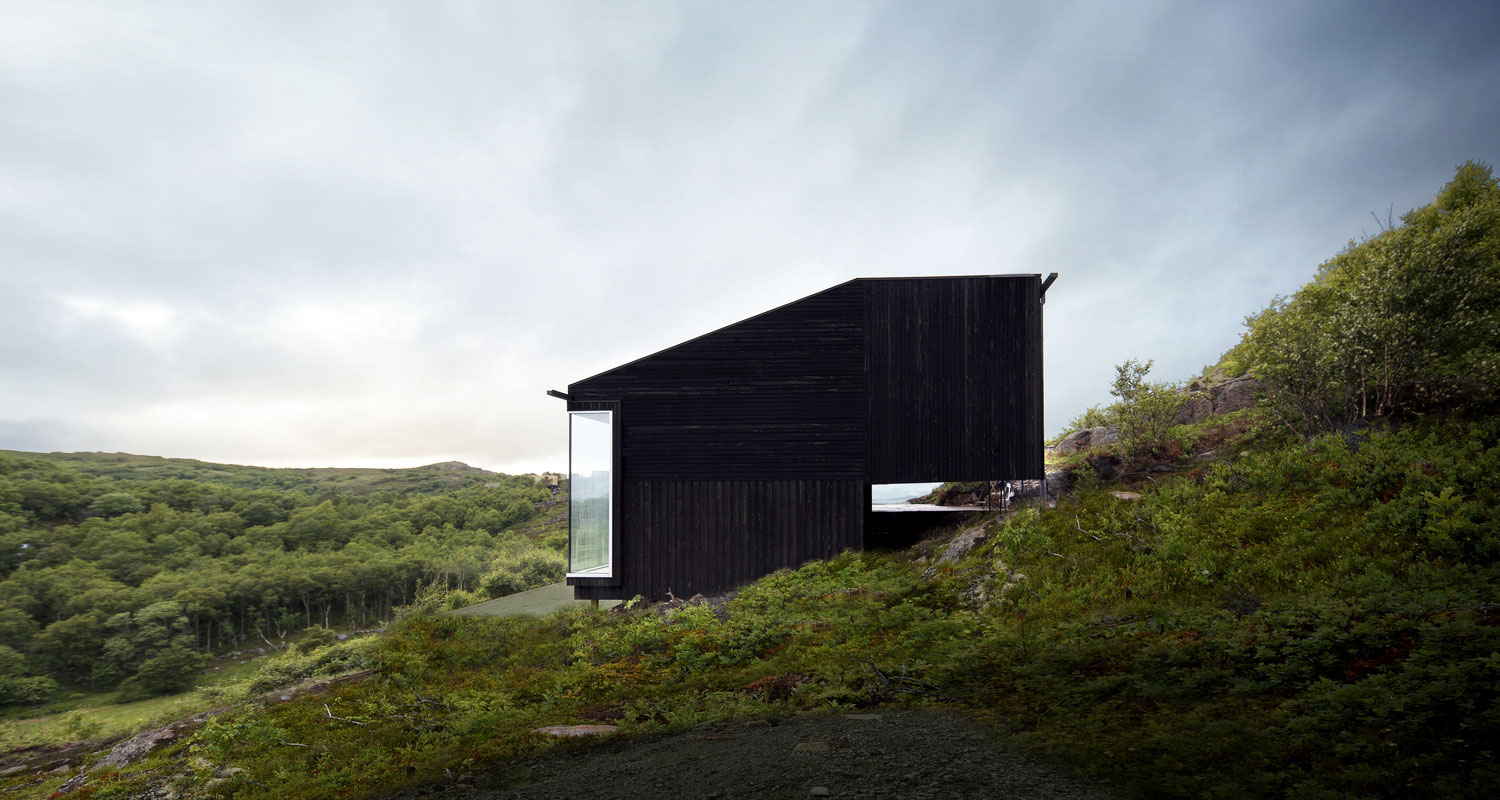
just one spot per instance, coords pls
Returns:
(891, 754)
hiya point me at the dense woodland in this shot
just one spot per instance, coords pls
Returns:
(127, 570)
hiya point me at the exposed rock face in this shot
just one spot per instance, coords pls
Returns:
(134, 748)
(41, 758)
(962, 544)
(1203, 402)
(1195, 409)
(1234, 395)
(1088, 437)
(958, 548)
(1058, 481)
(992, 586)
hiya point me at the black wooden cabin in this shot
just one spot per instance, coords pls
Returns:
(754, 447)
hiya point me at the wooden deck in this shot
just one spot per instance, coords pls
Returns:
(532, 603)
(892, 508)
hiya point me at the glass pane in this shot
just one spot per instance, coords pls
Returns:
(591, 443)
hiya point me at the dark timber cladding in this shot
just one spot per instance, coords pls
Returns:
(753, 447)
(954, 375)
(780, 395)
(691, 537)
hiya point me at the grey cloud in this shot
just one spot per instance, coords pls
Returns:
(384, 230)
(48, 436)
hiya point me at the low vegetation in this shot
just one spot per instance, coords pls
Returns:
(431, 479)
(1313, 619)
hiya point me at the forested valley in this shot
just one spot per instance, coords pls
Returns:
(129, 572)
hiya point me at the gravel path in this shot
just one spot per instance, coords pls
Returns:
(892, 754)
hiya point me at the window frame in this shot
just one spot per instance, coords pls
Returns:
(607, 570)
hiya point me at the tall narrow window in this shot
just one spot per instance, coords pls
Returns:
(591, 455)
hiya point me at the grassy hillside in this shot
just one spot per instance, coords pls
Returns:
(1309, 619)
(430, 479)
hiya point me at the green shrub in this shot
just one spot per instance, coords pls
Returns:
(25, 689)
(288, 667)
(459, 598)
(113, 504)
(172, 670)
(315, 637)
(525, 570)
(1404, 323)
(1147, 411)
(428, 601)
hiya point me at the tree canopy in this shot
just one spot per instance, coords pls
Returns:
(117, 568)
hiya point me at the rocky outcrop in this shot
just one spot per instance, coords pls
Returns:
(1086, 438)
(571, 731)
(1197, 407)
(958, 548)
(991, 586)
(1057, 482)
(718, 604)
(38, 759)
(1235, 394)
(962, 544)
(135, 748)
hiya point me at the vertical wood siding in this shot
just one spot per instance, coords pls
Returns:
(780, 395)
(954, 377)
(691, 536)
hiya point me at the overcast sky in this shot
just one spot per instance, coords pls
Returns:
(373, 234)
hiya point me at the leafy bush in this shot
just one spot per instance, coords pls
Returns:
(288, 667)
(25, 689)
(429, 601)
(172, 670)
(113, 504)
(1146, 411)
(1404, 323)
(459, 599)
(315, 637)
(528, 569)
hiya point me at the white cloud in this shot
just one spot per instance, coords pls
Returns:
(143, 319)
